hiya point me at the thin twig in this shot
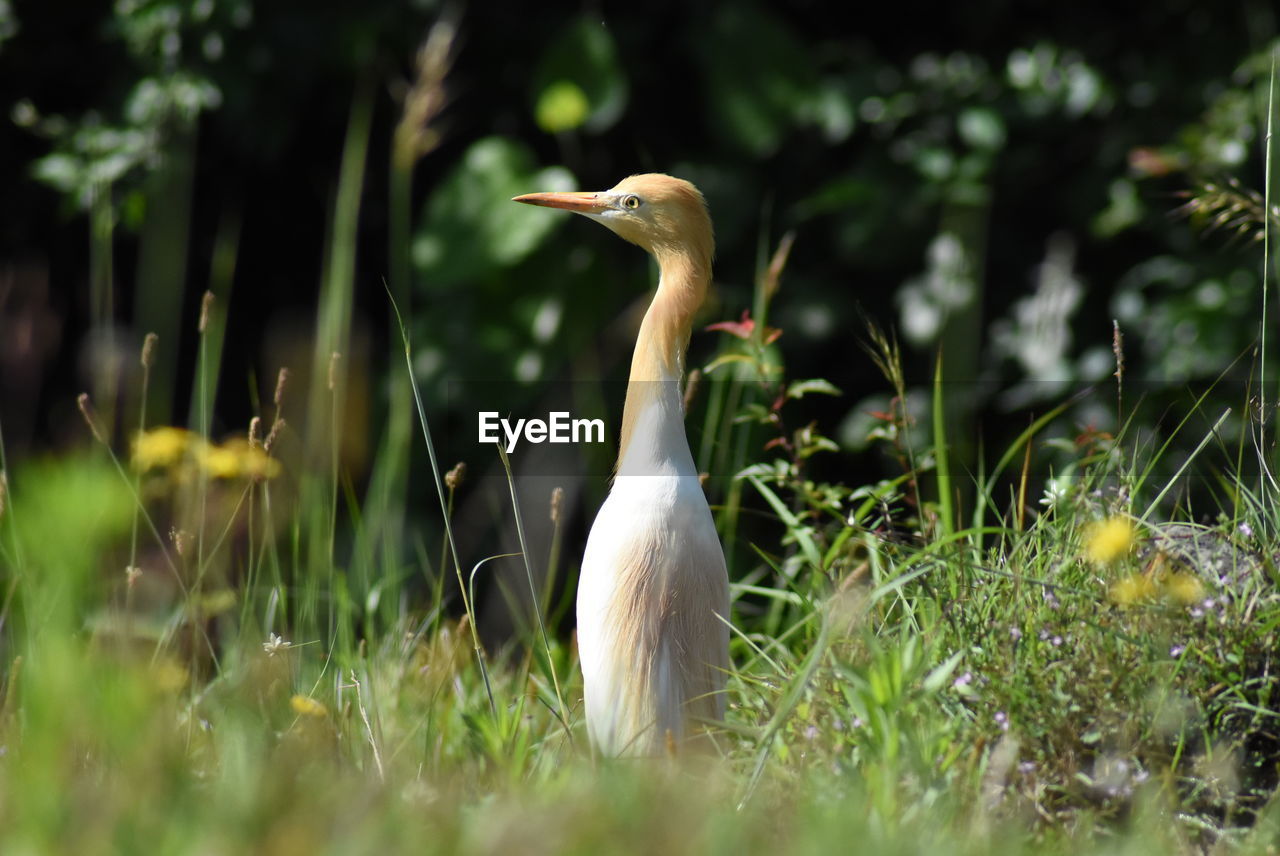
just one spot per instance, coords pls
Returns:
(368, 728)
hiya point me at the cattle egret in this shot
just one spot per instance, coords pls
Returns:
(653, 597)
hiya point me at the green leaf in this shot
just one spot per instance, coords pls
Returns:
(725, 359)
(753, 412)
(937, 679)
(981, 128)
(562, 106)
(62, 172)
(472, 228)
(803, 534)
(817, 385)
(764, 78)
(579, 81)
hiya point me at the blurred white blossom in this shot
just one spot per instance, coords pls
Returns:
(946, 285)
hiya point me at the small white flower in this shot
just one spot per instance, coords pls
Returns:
(274, 645)
(1054, 490)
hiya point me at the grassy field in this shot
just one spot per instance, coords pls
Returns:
(207, 650)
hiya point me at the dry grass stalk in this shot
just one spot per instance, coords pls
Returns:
(416, 135)
(282, 381)
(1229, 207)
(149, 344)
(206, 305)
(273, 435)
(90, 418)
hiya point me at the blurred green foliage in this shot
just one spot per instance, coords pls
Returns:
(579, 81)
(933, 182)
(464, 238)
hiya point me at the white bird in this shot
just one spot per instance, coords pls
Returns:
(653, 597)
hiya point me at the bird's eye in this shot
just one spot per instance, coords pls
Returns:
(632, 202)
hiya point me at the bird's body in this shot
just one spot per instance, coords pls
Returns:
(653, 596)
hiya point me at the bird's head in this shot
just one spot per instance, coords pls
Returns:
(666, 216)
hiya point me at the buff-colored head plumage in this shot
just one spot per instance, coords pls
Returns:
(665, 215)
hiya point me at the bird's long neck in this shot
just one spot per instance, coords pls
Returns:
(653, 439)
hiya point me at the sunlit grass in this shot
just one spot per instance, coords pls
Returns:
(1080, 680)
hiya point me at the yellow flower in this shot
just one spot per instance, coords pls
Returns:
(169, 675)
(160, 447)
(258, 464)
(1184, 588)
(1132, 589)
(170, 447)
(307, 706)
(1108, 540)
(220, 462)
(235, 459)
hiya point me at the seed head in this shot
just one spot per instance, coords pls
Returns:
(557, 505)
(205, 306)
(282, 381)
(149, 350)
(276, 428)
(416, 134)
(181, 540)
(90, 418)
(1117, 348)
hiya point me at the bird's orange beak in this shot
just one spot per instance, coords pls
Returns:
(582, 203)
